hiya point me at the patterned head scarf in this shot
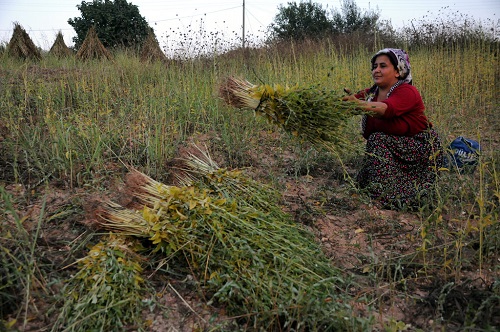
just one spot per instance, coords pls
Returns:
(399, 58)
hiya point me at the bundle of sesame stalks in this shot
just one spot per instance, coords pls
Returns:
(232, 238)
(204, 171)
(313, 113)
(107, 291)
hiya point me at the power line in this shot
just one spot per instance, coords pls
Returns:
(156, 21)
(191, 16)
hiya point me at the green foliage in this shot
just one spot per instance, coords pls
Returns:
(308, 20)
(13, 266)
(351, 19)
(107, 292)
(19, 273)
(117, 23)
(300, 21)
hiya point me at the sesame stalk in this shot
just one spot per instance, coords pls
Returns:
(314, 114)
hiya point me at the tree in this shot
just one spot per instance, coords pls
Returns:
(300, 21)
(351, 19)
(117, 23)
(310, 20)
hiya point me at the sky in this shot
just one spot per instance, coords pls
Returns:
(202, 19)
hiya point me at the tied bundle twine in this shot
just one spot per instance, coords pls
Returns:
(314, 114)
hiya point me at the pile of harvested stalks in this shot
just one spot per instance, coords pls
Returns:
(241, 249)
(92, 47)
(313, 114)
(59, 48)
(151, 50)
(21, 46)
(203, 171)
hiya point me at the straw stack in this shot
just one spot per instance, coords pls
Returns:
(92, 48)
(21, 46)
(59, 48)
(151, 50)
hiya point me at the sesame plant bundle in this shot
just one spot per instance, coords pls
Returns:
(201, 168)
(313, 113)
(261, 265)
(107, 292)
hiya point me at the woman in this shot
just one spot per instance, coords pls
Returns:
(403, 151)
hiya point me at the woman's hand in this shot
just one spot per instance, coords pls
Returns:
(350, 98)
(376, 109)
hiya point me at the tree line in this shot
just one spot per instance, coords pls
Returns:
(309, 20)
(119, 24)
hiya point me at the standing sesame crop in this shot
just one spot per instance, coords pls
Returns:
(403, 151)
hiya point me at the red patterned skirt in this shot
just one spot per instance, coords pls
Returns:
(398, 170)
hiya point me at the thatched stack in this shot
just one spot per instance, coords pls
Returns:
(21, 46)
(92, 48)
(151, 50)
(59, 48)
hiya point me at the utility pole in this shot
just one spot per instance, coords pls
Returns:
(243, 25)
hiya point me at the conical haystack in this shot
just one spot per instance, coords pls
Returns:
(92, 48)
(21, 46)
(59, 48)
(151, 50)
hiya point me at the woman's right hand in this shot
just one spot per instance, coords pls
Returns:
(350, 98)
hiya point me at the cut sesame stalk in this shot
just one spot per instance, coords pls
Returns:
(314, 114)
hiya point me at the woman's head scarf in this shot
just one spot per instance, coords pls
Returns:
(401, 61)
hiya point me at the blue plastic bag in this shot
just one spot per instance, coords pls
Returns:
(463, 155)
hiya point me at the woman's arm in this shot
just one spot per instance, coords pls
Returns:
(376, 107)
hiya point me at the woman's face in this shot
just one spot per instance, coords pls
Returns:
(383, 72)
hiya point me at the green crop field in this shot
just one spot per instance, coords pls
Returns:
(71, 131)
